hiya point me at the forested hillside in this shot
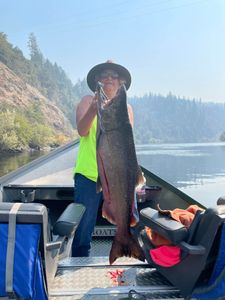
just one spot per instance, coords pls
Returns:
(38, 85)
(171, 119)
(50, 79)
(27, 118)
(36, 97)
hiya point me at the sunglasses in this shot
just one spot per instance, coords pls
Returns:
(106, 74)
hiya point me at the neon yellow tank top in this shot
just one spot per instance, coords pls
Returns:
(86, 163)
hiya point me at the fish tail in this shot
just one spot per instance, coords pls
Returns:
(128, 246)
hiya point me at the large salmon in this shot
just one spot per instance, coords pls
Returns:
(119, 172)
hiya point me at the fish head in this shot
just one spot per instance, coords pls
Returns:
(112, 112)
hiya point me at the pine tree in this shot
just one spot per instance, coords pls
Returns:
(35, 53)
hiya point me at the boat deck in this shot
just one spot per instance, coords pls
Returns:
(91, 278)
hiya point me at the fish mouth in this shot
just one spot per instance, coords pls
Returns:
(106, 103)
(103, 101)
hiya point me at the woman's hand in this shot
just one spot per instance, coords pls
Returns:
(93, 103)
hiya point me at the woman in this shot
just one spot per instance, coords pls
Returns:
(111, 76)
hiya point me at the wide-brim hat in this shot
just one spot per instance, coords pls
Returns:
(96, 70)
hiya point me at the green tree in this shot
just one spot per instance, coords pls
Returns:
(41, 136)
(35, 53)
(23, 129)
(9, 139)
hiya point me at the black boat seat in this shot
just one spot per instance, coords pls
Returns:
(199, 242)
(68, 221)
(52, 247)
(168, 228)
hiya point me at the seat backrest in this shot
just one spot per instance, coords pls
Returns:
(66, 225)
(214, 276)
(19, 220)
(197, 248)
(21, 226)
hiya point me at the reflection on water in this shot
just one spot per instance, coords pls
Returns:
(196, 169)
(10, 162)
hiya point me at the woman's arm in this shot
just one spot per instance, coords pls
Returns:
(85, 113)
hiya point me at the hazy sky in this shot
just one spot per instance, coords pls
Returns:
(173, 46)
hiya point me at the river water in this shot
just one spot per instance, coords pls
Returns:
(196, 169)
(12, 161)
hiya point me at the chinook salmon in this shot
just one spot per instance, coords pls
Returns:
(119, 172)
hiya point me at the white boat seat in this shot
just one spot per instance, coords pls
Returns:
(33, 218)
(28, 212)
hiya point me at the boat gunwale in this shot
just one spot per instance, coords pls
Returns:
(5, 180)
(29, 166)
(172, 188)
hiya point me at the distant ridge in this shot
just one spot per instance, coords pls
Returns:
(170, 119)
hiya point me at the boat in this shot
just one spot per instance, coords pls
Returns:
(44, 191)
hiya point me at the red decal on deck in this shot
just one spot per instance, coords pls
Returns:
(116, 277)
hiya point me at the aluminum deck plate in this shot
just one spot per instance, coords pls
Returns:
(100, 261)
(92, 278)
(101, 246)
